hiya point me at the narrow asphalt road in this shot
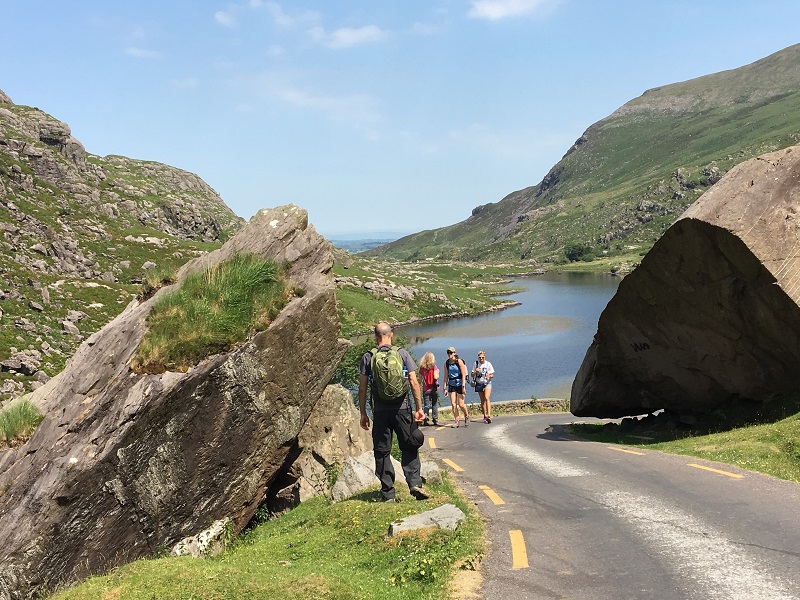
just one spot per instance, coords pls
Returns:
(567, 518)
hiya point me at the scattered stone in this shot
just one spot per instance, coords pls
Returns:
(70, 328)
(447, 516)
(207, 543)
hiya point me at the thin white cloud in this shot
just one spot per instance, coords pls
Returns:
(495, 10)
(225, 19)
(185, 83)
(346, 37)
(142, 52)
(284, 19)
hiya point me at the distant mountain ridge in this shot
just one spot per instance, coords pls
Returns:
(78, 233)
(630, 175)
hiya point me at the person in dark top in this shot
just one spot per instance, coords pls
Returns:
(456, 384)
(393, 417)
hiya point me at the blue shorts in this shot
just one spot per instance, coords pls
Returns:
(458, 389)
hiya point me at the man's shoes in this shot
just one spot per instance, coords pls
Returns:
(425, 423)
(388, 500)
(419, 493)
(435, 423)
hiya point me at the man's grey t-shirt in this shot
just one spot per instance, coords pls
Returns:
(365, 368)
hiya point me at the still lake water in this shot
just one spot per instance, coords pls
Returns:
(535, 348)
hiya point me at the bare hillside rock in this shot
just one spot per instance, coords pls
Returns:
(710, 319)
(126, 464)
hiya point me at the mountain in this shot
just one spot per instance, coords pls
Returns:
(630, 175)
(79, 233)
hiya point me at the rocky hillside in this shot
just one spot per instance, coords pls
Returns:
(79, 233)
(629, 176)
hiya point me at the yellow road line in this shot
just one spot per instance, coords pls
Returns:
(492, 495)
(440, 427)
(432, 442)
(452, 465)
(519, 554)
(734, 475)
(624, 450)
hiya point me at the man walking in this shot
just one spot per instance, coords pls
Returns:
(379, 370)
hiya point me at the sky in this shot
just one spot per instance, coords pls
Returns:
(374, 116)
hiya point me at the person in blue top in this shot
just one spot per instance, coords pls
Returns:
(456, 384)
(393, 417)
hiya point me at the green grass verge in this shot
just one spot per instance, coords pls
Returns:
(17, 422)
(318, 550)
(211, 312)
(769, 447)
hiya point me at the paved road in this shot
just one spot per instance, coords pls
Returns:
(568, 518)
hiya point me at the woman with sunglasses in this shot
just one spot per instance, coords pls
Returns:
(456, 383)
(483, 374)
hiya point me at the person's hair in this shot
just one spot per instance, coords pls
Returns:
(481, 353)
(428, 361)
(383, 329)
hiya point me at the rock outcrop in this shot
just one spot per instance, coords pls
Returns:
(126, 464)
(331, 435)
(710, 317)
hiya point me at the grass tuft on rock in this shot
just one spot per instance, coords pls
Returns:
(17, 422)
(211, 312)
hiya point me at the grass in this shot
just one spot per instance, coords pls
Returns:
(17, 422)
(770, 447)
(318, 550)
(211, 312)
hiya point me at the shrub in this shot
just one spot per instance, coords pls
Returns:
(576, 251)
(211, 312)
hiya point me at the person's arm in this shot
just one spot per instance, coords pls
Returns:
(419, 415)
(363, 382)
(490, 374)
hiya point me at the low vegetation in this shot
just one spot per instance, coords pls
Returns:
(17, 422)
(769, 444)
(211, 312)
(318, 550)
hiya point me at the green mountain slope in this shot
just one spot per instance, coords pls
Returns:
(630, 175)
(79, 233)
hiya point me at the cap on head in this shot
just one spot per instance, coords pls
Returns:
(451, 350)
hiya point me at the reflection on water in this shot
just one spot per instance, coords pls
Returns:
(536, 347)
(501, 324)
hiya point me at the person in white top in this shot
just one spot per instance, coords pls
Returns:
(483, 374)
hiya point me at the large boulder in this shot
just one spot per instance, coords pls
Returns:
(710, 319)
(125, 464)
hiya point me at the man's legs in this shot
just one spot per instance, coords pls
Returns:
(382, 448)
(409, 454)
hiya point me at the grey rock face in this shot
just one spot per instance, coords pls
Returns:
(711, 315)
(125, 464)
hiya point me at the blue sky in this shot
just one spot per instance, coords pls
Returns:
(374, 116)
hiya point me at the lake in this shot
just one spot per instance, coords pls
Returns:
(537, 347)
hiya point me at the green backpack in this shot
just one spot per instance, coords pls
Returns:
(389, 382)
